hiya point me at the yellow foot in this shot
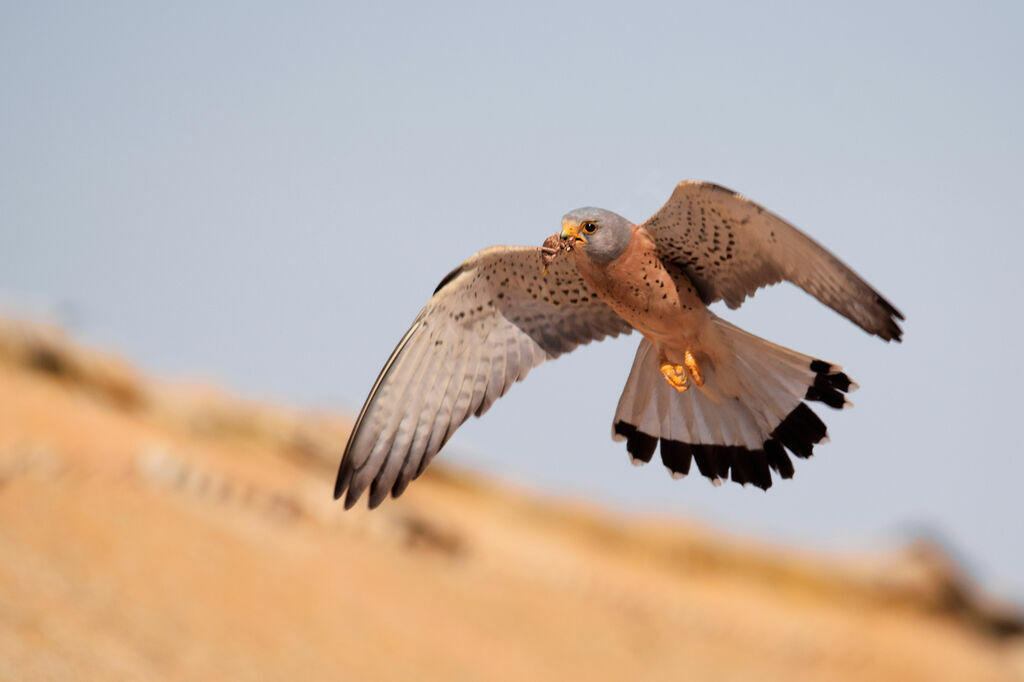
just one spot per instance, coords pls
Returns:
(675, 375)
(691, 364)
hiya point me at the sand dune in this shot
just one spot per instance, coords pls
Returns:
(152, 531)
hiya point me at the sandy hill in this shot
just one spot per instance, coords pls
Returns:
(152, 531)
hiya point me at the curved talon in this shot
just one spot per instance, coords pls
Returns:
(691, 364)
(675, 375)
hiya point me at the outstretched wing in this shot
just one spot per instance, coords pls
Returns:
(490, 321)
(730, 247)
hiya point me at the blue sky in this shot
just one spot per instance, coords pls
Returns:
(264, 196)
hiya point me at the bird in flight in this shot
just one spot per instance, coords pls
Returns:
(705, 390)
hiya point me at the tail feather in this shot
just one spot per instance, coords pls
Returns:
(741, 422)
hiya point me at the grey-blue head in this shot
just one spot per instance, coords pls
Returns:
(601, 234)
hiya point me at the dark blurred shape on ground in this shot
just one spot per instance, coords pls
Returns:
(158, 531)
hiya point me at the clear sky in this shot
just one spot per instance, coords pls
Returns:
(264, 196)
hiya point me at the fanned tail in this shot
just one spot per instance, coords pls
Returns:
(745, 420)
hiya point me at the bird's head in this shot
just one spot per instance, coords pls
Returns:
(602, 235)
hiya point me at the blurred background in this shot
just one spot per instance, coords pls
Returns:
(255, 200)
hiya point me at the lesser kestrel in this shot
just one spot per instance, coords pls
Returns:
(704, 389)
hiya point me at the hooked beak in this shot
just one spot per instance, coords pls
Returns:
(571, 231)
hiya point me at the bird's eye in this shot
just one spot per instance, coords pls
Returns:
(589, 228)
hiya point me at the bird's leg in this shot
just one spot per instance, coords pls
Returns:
(691, 364)
(674, 374)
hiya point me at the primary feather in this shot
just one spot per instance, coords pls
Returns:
(489, 322)
(730, 247)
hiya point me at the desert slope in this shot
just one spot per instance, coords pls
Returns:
(150, 531)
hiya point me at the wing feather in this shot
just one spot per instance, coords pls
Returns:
(730, 247)
(490, 321)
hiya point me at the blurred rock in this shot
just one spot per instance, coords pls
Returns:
(47, 350)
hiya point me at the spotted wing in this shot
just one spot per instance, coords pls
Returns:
(490, 321)
(730, 247)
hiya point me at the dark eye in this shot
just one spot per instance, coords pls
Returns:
(589, 228)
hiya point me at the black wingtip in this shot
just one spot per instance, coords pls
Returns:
(351, 499)
(343, 485)
(379, 489)
(892, 331)
(341, 482)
